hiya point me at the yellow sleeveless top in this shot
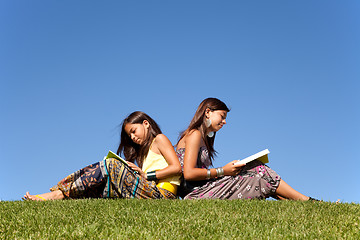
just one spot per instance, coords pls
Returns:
(155, 161)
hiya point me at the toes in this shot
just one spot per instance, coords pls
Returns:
(29, 197)
(26, 196)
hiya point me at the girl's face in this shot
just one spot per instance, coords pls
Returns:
(218, 119)
(137, 131)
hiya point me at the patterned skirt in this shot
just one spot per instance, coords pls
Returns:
(255, 180)
(109, 179)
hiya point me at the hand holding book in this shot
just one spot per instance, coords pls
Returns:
(232, 168)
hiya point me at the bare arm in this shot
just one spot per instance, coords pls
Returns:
(164, 146)
(192, 147)
(193, 173)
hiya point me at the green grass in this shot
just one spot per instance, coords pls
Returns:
(178, 219)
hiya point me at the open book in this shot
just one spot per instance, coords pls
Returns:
(113, 155)
(261, 156)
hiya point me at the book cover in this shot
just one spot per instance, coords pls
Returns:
(261, 156)
(114, 155)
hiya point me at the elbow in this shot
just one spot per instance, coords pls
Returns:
(188, 176)
(175, 169)
(178, 170)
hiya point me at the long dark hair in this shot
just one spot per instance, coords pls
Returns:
(198, 122)
(132, 151)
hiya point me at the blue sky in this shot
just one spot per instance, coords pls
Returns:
(70, 71)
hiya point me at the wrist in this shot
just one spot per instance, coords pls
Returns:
(151, 176)
(208, 174)
(219, 172)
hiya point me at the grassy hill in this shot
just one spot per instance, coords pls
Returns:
(178, 219)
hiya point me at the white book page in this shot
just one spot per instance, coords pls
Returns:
(253, 157)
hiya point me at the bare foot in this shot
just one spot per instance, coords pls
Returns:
(28, 196)
(45, 196)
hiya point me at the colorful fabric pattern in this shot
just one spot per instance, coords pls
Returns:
(109, 179)
(255, 180)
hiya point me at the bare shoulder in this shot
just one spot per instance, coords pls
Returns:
(161, 144)
(161, 141)
(161, 138)
(194, 134)
(191, 137)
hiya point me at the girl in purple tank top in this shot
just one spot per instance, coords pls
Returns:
(195, 150)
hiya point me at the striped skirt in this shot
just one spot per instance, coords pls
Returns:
(109, 178)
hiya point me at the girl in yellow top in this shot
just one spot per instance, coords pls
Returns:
(156, 174)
